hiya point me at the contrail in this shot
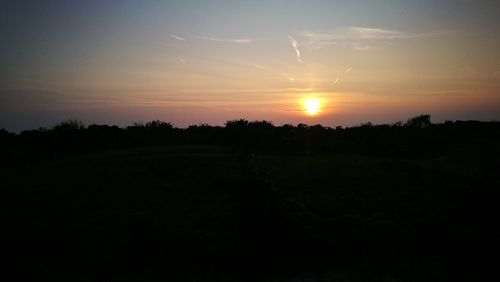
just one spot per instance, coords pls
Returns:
(177, 37)
(348, 70)
(295, 45)
(336, 80)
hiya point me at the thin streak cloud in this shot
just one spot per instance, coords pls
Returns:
(360, 38)
(361, 47)
(259, 66)
(379, 33)
(295, 45)
(177, 37)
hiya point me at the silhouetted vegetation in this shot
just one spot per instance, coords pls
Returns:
(250, 200)
(416, 137)
(420, 121)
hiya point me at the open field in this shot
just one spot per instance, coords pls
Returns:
(198, 213)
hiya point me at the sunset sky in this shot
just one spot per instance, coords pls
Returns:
(191, 62)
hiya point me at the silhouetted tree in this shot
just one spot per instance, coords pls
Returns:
(70, 125)
(366, 124)
(157, 124)
(235, 131)
(239, 124)
(396, 139)
(397, 124)
(419, 121)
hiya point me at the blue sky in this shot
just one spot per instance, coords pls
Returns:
(210, 61)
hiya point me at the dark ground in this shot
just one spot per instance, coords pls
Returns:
(383, 204)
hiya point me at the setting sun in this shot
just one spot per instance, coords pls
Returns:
(312, 106)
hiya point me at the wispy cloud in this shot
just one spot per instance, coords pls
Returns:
(177, 37)
(358, 46)
(358, 38)
(257, 66)
(379, 33)
(346, 71)
(295, 45)
(232, 40)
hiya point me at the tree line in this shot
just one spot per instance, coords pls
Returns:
(418, 135)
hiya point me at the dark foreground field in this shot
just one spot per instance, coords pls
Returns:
(427, 211)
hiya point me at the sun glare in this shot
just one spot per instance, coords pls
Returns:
(312, 106)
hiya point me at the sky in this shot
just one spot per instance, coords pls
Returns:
(191, 62)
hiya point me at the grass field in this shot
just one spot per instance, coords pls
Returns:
(196, 213)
